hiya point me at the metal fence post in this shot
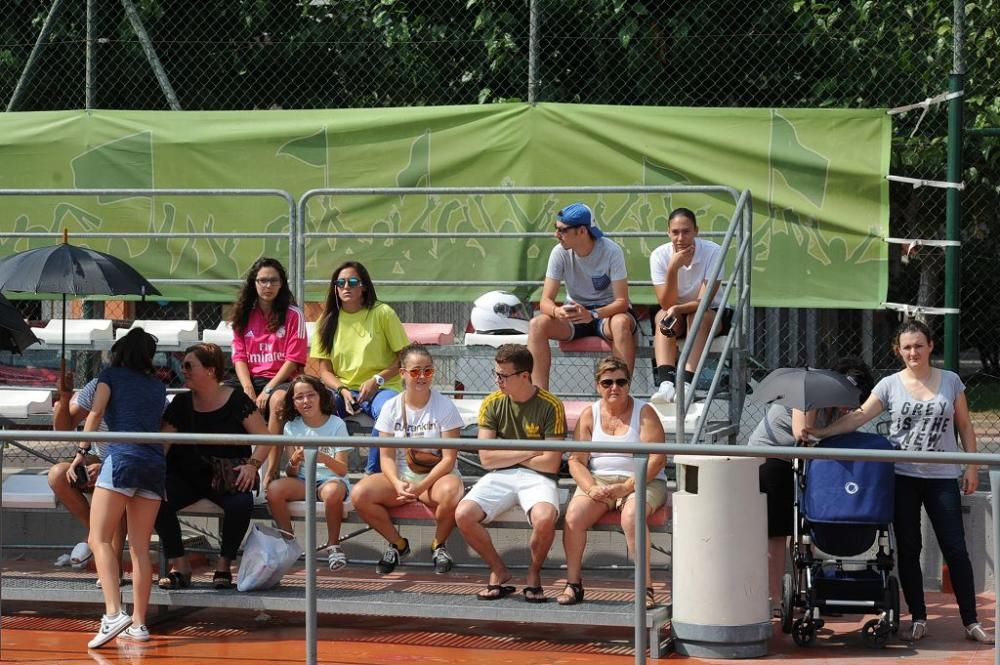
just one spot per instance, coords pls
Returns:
(533, 52)
(310, 608)
(953, 200)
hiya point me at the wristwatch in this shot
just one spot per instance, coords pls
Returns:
(267, 390)
(593, 313)
(379, 380)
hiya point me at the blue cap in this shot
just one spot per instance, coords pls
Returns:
(579, 214)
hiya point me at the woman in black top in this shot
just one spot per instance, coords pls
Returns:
(210, 408)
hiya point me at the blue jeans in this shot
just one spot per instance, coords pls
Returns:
(373, 407)
(942, 500)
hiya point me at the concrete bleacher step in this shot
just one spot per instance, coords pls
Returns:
(78, 331)
(16, 403)
(167, 333)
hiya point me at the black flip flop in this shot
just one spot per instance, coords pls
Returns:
(222, 579)
(537, 594)
(502, 591)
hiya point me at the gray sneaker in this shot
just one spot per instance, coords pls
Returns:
(442, 561)
(391, 557)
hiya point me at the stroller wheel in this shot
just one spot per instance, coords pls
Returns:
(803, 632)
(787, 603)
(876, 633)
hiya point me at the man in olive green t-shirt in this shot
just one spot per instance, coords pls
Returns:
(518, 410)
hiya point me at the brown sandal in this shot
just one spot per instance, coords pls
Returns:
(572, 595)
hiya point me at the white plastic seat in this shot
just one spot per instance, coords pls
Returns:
(222, 335)
(78, 331)
(24, 403)
(168, 333)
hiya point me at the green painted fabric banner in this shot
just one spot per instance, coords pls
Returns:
(817, 178)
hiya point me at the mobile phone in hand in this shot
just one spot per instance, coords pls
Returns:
(667, 326)
(81, 481)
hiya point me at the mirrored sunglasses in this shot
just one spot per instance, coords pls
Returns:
(350, 282)
(418, 372)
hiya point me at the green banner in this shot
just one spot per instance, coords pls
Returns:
(817, 176)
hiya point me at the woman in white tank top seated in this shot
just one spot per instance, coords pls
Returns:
(605, 481)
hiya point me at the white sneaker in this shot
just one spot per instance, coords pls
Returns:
(135, 633)
(80, 555)
(663, 394)
(110, 628)
(62, 560)
(335, 557)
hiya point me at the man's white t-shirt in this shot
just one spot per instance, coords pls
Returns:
(689, 277)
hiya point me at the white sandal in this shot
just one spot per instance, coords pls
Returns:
(975, 632)
(918, 630)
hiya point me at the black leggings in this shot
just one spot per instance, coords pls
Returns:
(181, 493)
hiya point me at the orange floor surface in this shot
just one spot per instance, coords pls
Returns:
(59, 633)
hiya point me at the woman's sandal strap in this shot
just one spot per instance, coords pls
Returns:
(571, 598)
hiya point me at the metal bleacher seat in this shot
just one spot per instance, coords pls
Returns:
(221, 335)
(168, 333)
(83, 332)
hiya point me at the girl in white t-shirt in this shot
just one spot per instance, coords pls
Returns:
(421, 474)
(309, 409)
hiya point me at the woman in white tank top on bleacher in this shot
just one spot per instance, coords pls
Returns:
(605, 481)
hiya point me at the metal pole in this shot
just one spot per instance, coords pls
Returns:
(310, 609)
(154, 60)
(89, 80)
(953, 200)
(995, 506)
(533, 52)
(640, 463)
(36, 53)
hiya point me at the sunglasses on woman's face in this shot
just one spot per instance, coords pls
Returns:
(418, 372)
(350, 282)
(607, 383)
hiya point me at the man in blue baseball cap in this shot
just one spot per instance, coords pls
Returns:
(597, 305)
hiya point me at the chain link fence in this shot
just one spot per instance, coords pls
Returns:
(219, 54)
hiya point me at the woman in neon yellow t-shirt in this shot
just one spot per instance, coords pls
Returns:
(357, 344)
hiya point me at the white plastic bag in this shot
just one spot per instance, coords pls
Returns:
(266, 558)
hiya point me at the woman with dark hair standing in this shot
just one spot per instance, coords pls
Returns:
(129, 398)
(196, 471)
(926, 405)
(269, 337)
(357, 344)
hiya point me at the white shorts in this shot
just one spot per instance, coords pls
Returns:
(498, 491)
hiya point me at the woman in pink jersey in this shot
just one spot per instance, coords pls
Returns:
(269, 338)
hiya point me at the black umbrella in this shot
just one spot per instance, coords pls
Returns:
(807, 389)
(15, 334)
(71, 270)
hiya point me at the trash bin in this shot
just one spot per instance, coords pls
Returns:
(720, 605)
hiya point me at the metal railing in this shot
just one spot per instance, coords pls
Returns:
(641, 452)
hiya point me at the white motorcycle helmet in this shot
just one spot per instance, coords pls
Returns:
(499, 313)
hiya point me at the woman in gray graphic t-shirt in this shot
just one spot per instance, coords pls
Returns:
(926, 405)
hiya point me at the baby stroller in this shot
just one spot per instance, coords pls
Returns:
(843, 509)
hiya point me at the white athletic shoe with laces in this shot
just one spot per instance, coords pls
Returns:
(111, 627)
(136, 634)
